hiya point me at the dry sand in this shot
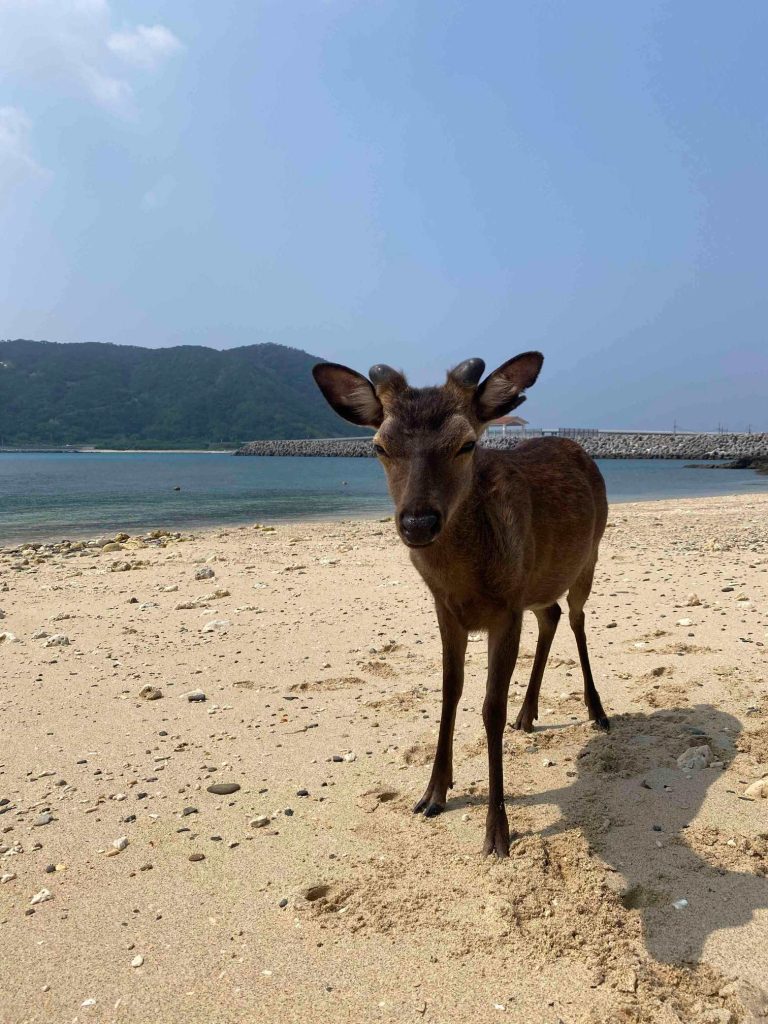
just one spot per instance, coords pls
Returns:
(323, 675)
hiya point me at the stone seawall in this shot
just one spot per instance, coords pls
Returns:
(600, 446)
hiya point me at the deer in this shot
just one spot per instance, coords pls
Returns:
(492, 533)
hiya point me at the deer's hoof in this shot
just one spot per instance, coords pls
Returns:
(429, 807)
(525, 720)
(497, 839)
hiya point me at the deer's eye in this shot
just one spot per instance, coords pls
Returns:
(467, 448)
(379, 449)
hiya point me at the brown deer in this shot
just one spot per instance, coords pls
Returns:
(492, 533)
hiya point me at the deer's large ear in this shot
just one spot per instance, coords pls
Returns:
(501, 391)
(349, 393)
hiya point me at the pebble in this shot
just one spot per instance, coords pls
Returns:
(685, 622)
(150, 692)
(195, 696)
(204, 573)
(41, 897)
(120, 843)
(188, 810)
(223, 788)
(8, 638)
(137, 961)
(43, 819)
(758, 790)
(259, 822)
(680, 904)
(695, 757)
(57, 640)
(215, 625)
(692, 601)
(194, 857)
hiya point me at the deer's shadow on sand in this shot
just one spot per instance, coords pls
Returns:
(636, 809)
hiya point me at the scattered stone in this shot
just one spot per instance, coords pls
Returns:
(195, 696)
(758, 790)
(216, 625)
(137, 961)
(8, 638)
(283, 902)
(259, 822)
(150, 692)
(57, 640)
(205, 572)
(43, 819)
(41, 634)
(41, 897)
(692, 601)
(223, 788)
(694, 758)
(120, 843)
(187, 811)
(194, 857)
(680, 904)
(685, 622)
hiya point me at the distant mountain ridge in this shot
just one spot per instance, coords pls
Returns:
(124, 396)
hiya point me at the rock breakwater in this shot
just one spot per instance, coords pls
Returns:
(599, 445)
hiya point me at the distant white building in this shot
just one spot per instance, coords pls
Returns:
(500, 425)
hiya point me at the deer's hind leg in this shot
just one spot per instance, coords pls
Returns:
(548, 619)
(577, 597)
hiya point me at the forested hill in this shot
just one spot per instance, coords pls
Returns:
(124, 396)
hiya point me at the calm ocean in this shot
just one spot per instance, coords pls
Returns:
(68, 495)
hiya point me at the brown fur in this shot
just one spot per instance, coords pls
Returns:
(493, 534)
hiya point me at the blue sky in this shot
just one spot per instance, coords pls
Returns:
(409, 182)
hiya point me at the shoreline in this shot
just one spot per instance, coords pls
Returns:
(199, 531)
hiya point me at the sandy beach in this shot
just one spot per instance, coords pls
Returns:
(636, 891)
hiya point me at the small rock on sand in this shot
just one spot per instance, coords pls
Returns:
(150, 692)
(41, 897)
(195, 696)
(259, 822)
(758, 790)
(57, 640)
(204, 573)
(695, 757)
(223, 788)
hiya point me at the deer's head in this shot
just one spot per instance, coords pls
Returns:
(425, 437)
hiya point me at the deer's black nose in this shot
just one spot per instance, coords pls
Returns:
(420, 528)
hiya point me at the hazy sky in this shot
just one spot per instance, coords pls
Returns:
(409, 181)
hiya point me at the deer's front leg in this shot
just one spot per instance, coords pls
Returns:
(454, 638)
(503, 644)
